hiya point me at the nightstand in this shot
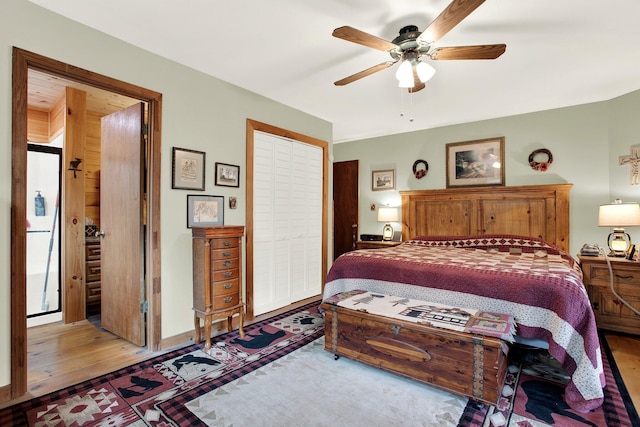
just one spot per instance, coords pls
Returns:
(610, 312)
(375, 244)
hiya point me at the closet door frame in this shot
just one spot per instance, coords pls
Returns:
(252, 127)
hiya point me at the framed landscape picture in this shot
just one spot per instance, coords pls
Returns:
(204, 211)
(475, 163)
(383, 180)
(187, 169)
(227, 175)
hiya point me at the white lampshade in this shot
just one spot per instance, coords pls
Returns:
(404, 74)
(619, 214)
(388, 214)
(425, 71)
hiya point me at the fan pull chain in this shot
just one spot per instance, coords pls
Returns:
(402, 105)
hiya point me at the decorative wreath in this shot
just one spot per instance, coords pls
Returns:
(420, 173)
(540, 166)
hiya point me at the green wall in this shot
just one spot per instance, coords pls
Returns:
(199, 112)
(585, 141)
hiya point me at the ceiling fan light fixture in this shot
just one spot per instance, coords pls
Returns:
(425, 71)
(404, 74)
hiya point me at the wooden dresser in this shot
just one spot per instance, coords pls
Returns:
(610, 312)
(92, 275)
(217, 277)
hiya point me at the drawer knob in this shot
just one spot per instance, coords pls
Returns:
(226, 253)
(227, 300)
(228, 286)
(227, 263)
(228, 274)
(226, 243)
(624, 277)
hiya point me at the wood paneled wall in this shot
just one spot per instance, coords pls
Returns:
(44, 126)
(91, 168)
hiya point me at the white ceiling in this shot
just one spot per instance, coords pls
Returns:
(559, 53)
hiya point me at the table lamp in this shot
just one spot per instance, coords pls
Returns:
(619, 215)
(387, 215)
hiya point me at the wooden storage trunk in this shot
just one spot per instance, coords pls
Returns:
(470, 365)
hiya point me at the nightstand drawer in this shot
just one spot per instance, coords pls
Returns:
(611, 313)
(375, 244)
(621, 275)
(612, 306)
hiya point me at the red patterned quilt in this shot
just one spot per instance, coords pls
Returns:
(535, 282)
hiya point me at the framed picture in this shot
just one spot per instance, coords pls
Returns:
(475, 163)
(383, 180)
(204, 211)
(227, 175)
(187, 169)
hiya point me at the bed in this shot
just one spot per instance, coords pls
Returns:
(502, 249)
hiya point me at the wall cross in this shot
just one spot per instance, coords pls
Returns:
(634, 160)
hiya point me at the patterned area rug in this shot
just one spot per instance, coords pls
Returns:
(280, 374)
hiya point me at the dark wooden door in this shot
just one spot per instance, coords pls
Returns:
(121, 196)
(346, 191)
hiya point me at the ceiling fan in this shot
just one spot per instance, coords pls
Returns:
(412, 46)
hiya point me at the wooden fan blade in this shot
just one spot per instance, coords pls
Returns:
(487, 51)
(449, 18)
(417, 84)
(364, 73)
(416, 88)
(365, 39)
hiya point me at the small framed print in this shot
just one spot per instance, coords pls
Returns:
(383, 180)
(475, 163)
(204, 211)
(227, 175)
(187, 169)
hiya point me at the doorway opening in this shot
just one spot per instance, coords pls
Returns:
(23, 63)
(44, 178)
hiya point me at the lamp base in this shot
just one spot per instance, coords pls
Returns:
(387, 232)
(617, 254)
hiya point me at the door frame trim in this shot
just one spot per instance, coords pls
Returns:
(253, 126)
(23, 61)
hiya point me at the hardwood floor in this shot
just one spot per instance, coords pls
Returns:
(63, 355)
(626, 352)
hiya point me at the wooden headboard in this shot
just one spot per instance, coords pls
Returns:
(533, 210)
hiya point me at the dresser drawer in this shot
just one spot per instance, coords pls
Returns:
(219, 276)
(224, 243)
(93, 292)
(225, 264)
(225, 301)
(225, 253)
(226, 287)
(92, 251)
(92, 271)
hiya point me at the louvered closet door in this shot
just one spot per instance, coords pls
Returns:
(287, 213)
